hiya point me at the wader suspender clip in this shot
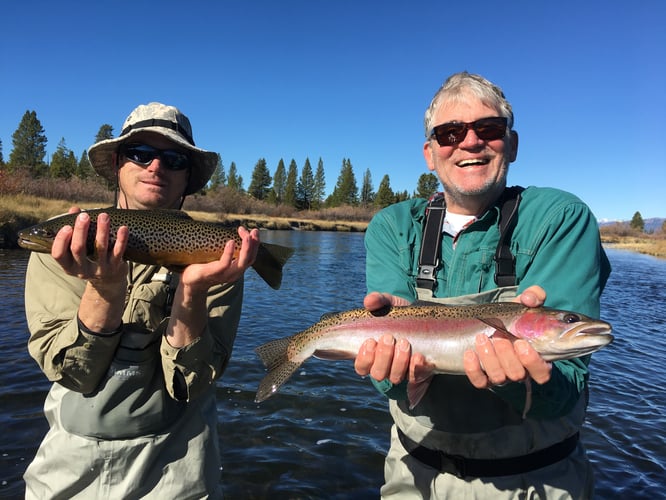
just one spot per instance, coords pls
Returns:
(505, 262)
(431, 242)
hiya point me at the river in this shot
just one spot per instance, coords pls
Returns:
(325, 434)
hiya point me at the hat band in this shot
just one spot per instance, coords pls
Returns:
(159, 123)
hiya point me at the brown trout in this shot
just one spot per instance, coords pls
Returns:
(441, 333)
(169, 238)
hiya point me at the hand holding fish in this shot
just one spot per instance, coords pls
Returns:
(103, 299)
(492, 362)
(70, 250)
(227, 269)
(498, 361)
(188, 316)
(381, 340)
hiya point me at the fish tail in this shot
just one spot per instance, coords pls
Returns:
(269, 262)
(274, 355)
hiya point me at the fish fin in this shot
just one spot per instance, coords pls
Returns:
(416, 391)
(275, 357)
(498, 325)
(269, 262)
(333, 354)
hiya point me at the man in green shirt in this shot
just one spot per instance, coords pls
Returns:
(467, 437)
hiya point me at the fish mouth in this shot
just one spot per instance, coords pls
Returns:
(599, 329)
(33, 243)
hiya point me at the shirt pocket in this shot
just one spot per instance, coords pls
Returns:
(147, 305)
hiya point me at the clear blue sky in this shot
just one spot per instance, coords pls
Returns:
(351, 79)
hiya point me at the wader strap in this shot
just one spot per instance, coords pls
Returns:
(431, 242)
(474, 467)
(505, 262)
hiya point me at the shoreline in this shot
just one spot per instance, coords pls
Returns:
(644, 246)
(13, 221)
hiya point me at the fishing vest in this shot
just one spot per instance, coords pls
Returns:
(132, 400)
(505, 262)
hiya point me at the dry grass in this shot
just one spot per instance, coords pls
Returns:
(621, 236)
(25, 201)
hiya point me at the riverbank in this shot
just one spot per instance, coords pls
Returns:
(647, 245)
(16, 216)
(17, 213)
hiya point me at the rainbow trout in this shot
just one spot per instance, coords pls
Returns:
(441, 333)
(169, 238)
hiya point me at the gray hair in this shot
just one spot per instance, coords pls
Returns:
(457, 85)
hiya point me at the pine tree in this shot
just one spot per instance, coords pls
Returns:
(2, 161)
(385, 196)
(234, 181)
(105, 132)
(63, 162)
(637, 222)
(29, 145)
(367, 192)
(319, 189)
(219, 178)
(261, 180)
(346, 190)
(291, 185)
(401, 196)
(305, 190)
(279, 183)
(427, 186)
(84, 168)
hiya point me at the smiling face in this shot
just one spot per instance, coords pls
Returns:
(152, 186)
(473, 171)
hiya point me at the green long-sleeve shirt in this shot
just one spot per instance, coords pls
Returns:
(556, 245)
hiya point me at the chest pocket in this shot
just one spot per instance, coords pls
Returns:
(132, 400)
(150, 302)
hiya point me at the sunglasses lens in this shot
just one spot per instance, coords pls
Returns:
(490, 129)
(448, 134)
(139, 155)
(142, 154)
(174, 160)
(487, 129)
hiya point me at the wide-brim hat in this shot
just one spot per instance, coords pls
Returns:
(167, 121)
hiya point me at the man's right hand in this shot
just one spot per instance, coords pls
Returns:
(388, 358)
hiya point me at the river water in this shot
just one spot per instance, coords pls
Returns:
(325, 434)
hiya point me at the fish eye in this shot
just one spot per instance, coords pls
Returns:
(571, 318)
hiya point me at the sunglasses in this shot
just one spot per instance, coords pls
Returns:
(143, 155)
(487, 129)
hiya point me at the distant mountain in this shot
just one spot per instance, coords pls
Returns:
(652, 225)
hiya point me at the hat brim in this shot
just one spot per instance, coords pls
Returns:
(203, 163)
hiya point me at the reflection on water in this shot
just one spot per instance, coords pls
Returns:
(324, 435)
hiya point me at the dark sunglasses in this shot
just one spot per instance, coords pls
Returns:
(143, 155)
(487, 129)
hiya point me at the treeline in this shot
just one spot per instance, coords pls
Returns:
(285, 186)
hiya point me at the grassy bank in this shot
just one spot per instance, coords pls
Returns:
(20, 211)
(623, 237)
(646, 245)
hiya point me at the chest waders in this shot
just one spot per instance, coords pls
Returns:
(505, 262)
(505, 278)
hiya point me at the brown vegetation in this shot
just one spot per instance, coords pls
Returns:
(25, 201)
(624, 237)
